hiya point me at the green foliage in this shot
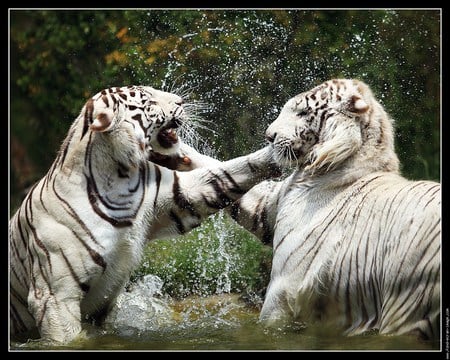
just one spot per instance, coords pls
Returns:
(217, 257)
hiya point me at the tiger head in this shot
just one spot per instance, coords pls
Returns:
(336, 124)
(140, 120)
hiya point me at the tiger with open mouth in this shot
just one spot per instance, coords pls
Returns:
(81, 229)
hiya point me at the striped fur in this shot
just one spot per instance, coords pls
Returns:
(355, 244)
(81, 229)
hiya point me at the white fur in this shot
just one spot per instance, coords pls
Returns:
(355, 244)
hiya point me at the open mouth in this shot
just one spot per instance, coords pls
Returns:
(167, 136)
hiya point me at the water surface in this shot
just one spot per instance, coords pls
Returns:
(220, 322)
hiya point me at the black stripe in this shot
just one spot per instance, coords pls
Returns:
(30, 257)
(175, 218)
(179, 198)
(84, 287)
(39, 242)
(236, 188)
(28, 201)
(214, 204)
(105, 100)
(53, 167)
(417, 302)
(94, 196)
(73, 214)
(267, 236)
(122, 170)
(138, 183)
(40, 195)
(138, 117)
(322, 120)
(41, 268)
(20, 299)
(93, 201)
(20, 279)
(18, 323)
(113, 98)
(65, 147)
(390, 291)
(348, 307)
(96, 257)
(390, 218)
(44, 310)
(158, 183)
(338, 280)
(375, 291)
(256, 217)
(19, 226)
(359, 283)
(87, 117)
(337, 213)
(431, 200)
(436, 189)
(235, 210)
(87, 154)
(221, 194)
(252, 168)
(411, 291)
(282, 239)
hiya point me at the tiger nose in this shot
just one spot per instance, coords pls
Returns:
(270, 137)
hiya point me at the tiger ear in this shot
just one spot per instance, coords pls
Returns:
(102, 122)
(98, 119)
(357, 105)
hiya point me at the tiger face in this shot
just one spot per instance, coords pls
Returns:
(321, 126)
(139, 119)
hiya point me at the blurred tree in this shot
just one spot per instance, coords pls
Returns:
(244, 63)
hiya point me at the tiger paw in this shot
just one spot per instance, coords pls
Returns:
(173, 161)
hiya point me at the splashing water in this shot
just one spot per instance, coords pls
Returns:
(143, 311)
(224, 282)
(140, 308)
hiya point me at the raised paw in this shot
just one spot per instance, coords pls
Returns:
(173, 161)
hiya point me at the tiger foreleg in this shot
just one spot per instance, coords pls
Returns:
(185, 159)
(58, 317)
(256, 210)
(276, 311)
(190, 197)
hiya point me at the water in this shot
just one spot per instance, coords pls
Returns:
(146, 319)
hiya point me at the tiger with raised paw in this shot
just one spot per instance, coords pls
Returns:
(81, 229)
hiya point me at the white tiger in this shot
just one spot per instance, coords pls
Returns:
(81, 229)
(354, 243)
